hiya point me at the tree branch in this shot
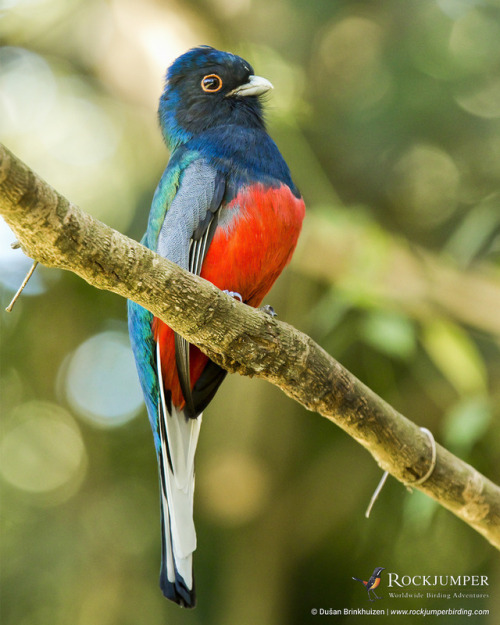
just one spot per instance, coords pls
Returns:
(58, 234)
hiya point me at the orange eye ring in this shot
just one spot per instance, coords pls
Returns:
(211, 83)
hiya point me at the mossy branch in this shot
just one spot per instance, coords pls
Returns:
(58, 234)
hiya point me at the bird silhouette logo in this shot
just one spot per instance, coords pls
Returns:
(372, 583)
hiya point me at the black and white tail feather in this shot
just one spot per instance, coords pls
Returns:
(184, 238)
(179, 437)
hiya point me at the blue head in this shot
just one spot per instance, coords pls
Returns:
(207, 88)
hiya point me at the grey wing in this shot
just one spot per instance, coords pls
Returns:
(185, 238)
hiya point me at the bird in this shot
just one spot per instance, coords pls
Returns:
(225, 209)
(372, 583)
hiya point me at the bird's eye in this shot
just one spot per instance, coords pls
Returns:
(211, 83)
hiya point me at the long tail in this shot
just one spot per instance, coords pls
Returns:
(359, 580)
(179, 437)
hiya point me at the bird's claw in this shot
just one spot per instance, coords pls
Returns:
(269, 310)
(233, 294)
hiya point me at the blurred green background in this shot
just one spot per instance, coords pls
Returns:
(388, 113)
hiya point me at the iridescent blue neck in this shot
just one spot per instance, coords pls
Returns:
(173, 134)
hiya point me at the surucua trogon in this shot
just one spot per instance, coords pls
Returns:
(225, 209)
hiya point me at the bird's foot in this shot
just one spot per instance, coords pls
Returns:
(269, 310)
(233, 294)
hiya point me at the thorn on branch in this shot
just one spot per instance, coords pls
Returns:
(23, 284)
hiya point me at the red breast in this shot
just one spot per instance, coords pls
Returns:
(255, 240)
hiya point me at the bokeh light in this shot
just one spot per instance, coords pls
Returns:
(42, 451)
(350, 56)
(483, 100)
(425, 185)
(25, 105)
(233, 488)
(473, 41)
(101, 381)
